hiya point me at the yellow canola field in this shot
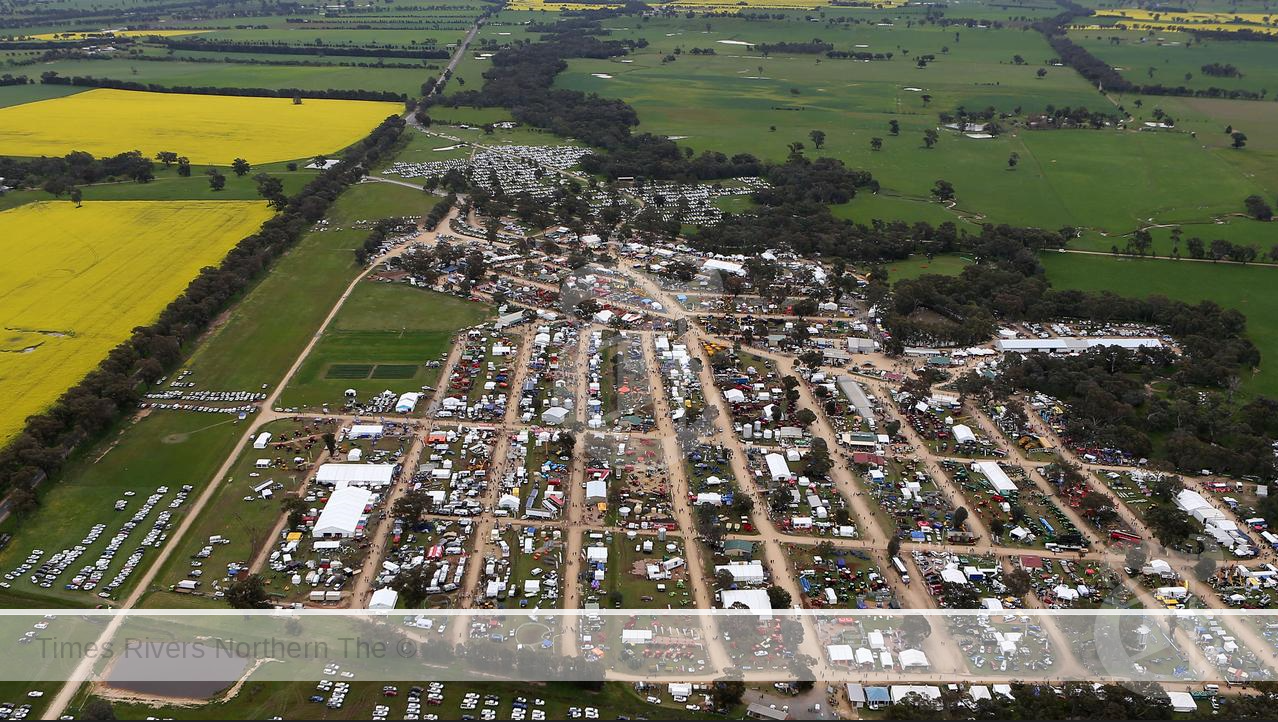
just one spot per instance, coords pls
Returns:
(713, 5)
(1159, 26)
(102, 34)
(1189, 17)
(1134, 19)
(76, 281)
(205, 128)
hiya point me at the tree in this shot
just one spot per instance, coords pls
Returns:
(1135, 557)
(23, 502)
(943, 190)
(1256, 208)
(805, 417)
(184, 167)
(893, 546)
(98, 709)
(1239, 137)
(1169, 524)
(412, 505)
(217, 181)
(818, 138)
(272, 189)
(294, 508)
(894, 127)
(241, 167)
(930, 137)
(1018, 582)
(76, 196)
(330, 442)
(876, 143)
(1205, 568)
(1013, 160)
(960, 516)
(413, 585)
(915, 628)
(247, 593)
(167, 157)
(727, 695)
(779, 597)
(1042, 72)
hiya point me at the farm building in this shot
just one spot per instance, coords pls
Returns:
(341, 515)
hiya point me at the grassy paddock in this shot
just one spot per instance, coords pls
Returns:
(381, 325)
(1246, 288)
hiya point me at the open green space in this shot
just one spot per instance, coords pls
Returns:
(169, 186)
(244, 75)
(388, 329)
(373, 201)
(1246, 288)
(239, 514)
(162, 449)
(738, 100)
(19, 94)
(1176, 59)
(945, 264)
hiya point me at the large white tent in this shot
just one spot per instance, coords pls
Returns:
(373, 476)
(340, 517)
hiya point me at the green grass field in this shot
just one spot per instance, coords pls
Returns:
(1171, 56)
(19, 94)
(737, 101)
(381, 325)
(1246, 288)
(946, 264)
(373, 201)
(245, 523)
(169, 186)
(241, 75)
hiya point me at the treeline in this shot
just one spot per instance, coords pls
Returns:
(227, 59)
(522, 78)
(1216, 70)
(438, 213)
(75, 168)
(858, 55)
(221, 46)
(53, 78)
(113, 389)
(9, 79)
(1067, 117)
(812, 47)
(56, 44)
